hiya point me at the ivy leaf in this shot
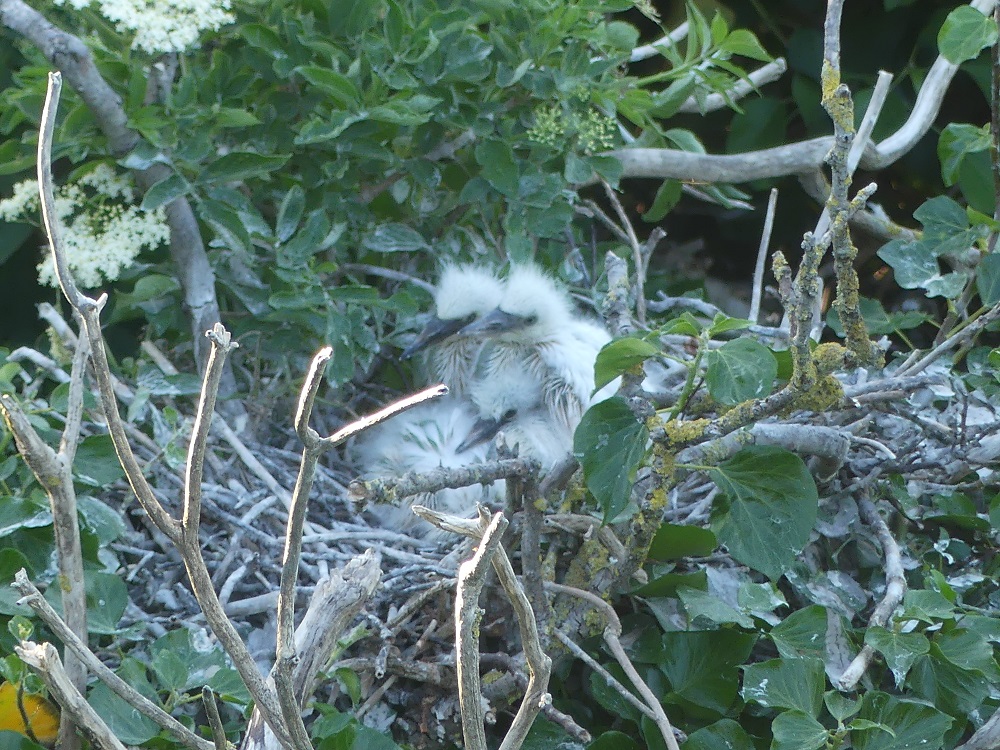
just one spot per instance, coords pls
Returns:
(795, 730)
(340, 88)
(724, 733)
(795, 684)
(703, 604)
(958, 140)
(899, 649)
(620, 355)
(609, 443)
(988, 279)
(965, 33)
(702, 667)
(741, 369)
(771, 498)
(903, 724)
(677, 541)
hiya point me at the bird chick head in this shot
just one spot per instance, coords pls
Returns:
(533, 307)
(464, 293)
(499, 402)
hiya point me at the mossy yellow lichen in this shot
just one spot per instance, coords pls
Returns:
(826, 393)
(680, 432)
(591, 559)
(829, 358)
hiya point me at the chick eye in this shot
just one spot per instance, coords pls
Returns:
(532, 319)
(508, 416)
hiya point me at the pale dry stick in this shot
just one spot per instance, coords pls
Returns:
(636, 248)
(987, 737)
(313, 447)
(652, 49)
(31, 596)
(53, 368)
(608, 678)
(972, 328)
(44, 660)
(54, 471)
(227, 432)
(895, 590)
(612, 635)
(468, 615)
(89, 311)
(536, 697)
(758, 271)
(214, 719)
(860, 142)
(411, 653)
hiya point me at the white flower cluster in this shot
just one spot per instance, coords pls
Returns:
(162, 25)
(103, 231)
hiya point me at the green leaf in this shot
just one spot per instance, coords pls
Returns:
(928, 606)
(621, 355)
(306, 243)
(743, 42)
(340, 88)
(241, 165)
(622, 36)
(164, 191)
(231, 117)
(96, 462)
(22, 513)
(840, 706)
(667, 196)
(613, 741)
(722, 323)
(395, 238)
(702, 668)
(899, 649)
(795, 730)
(740, 370)
(610, 443)
(914, 726)
(125, 721)
(956, 141)
(498, 166)
(724, 734)
(771, 507)
(796, 683)
(965, 33)
(677, 541)
(708, 606)
(954, 689)
(988, 279)
(11, 561)
(107, 598)
(106, 523)
(290, 213)
(577, 169)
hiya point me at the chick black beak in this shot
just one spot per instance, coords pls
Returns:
(493, 323)
(486, 429)
(435, 330)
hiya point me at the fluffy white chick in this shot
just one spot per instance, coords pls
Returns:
(464, 294)
(535, 327)
(422, 439)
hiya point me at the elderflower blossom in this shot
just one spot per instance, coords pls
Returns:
(162, 25)
(103, 230)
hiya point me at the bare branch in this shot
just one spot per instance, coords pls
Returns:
(895, 590)
(44, 660)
